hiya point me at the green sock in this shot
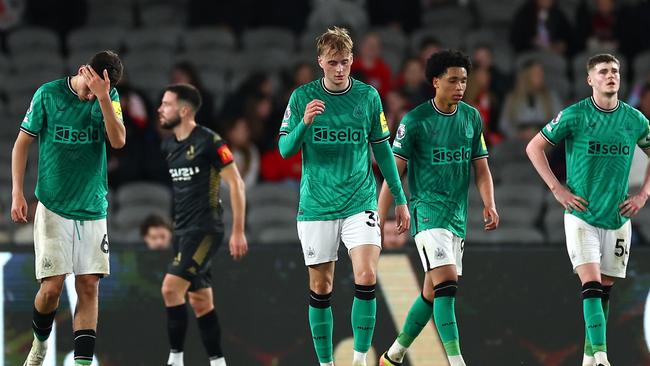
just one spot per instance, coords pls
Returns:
(364, 314)
(594, 315)
(445, 319)
(417, 318)
(322, 325)
(605, 301)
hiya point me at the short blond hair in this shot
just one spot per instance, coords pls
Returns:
(336, 39)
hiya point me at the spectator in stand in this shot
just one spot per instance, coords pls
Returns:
(412, 84)
(301, 73)
(640, 161)
(370, 67)
(406, 16)
(479, 95)
(396, 106)
(428, 46)
(483, 58)
(244, 151)
(599, 25)
(540, 25)
(277, 169)
(156, 232)
(140, 158)
(530, 105)
(185, 72)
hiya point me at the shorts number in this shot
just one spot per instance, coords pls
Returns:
(619, 249)
(462, 245)
(372, 218)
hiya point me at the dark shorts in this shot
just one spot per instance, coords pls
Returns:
(193, 254)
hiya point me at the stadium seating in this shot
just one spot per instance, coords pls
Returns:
(28, 39)
(90, 39)
(209, 39)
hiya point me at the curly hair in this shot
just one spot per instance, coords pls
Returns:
(439, 62)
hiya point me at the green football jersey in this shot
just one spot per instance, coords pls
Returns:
(599, 150)
(337, 178)
(439, 148)
(72, 179)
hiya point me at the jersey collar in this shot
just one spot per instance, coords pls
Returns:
(433, 104)
(593, 101)
(68, 81)
(322, 84)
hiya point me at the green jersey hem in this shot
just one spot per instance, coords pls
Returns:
(343, 215)
(76, 217)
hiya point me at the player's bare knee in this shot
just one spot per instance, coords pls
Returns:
(366, 277)
(170, 292)
(87, 288)
(321, 286)
(428, 292)
(50, 292)
(201, 305)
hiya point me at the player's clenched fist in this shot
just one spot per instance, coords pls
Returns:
(313, 108)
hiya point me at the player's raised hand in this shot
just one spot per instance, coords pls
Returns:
(99, 86)
(238, 246)
(569, 200)
(313, 108)
(19, 209)
(402, 218)
(490, 218)
(633, 204)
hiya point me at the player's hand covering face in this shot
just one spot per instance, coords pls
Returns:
(93, 85)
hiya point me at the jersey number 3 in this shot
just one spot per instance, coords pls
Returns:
(372, 219)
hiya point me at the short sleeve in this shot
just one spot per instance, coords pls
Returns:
(404, 138)
(378, 125)
(35, 116)
(292, 115)
(219, 153)
(644, 140)
(115, 101)
(479, 148)
(559, 127)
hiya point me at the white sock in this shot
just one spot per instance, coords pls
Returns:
(396, 352)
(327, 364)
(588, 360)
(359, 358)
(456, 360)
(175, 359)
(218, 362)
(601, 358)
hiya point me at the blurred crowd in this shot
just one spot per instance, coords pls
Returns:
(527, 56)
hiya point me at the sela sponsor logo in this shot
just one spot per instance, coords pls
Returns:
(598, 148)
(69, 135)
(183, 174)
(443, 155)
(326, 135)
